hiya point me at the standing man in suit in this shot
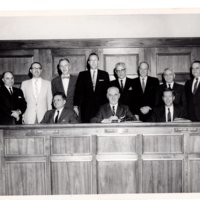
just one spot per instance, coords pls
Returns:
(65, 82)
(144, 92)
(192, 90)
(169, 111)
(38, 95)
(91, 87)
(12, 102)
(179, 91)
(113, 111)
(124, 84)
(60, 114)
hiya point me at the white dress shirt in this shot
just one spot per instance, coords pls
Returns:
(171, 108)
(193, 83)
(39, 84)
(60, 111)
(65, 82)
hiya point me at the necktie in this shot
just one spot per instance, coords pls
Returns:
(93, 79)
(36, 88)
(169, 86)
(113, 110)
(143, 85)
(195, 86)
(11, 92)
(169, 116)
(56, 118)
(121, 82)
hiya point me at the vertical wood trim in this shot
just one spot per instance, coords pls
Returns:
(48, 184)
(2, 165)
(139, 150)
(93, 142)
(186, 149)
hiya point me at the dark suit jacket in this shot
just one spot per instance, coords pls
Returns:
(180, 98)
(57, 86)
(158, 114)
(147, 98)
(88, 100)
(10, 102)
(67, 116)
(193, 101)
(126, 97)
(106, 112)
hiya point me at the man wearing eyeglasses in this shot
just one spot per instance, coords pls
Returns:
(124, 84)
(38, 95)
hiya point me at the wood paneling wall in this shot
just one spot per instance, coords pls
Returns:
(177, 53)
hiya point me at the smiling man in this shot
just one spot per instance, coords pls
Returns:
(113, 111)
(12, 102)
(60, 114)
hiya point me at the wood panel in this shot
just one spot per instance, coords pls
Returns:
(162, 176)
(194, 175)
(116, 143)
(70, 145)
(71, 177)
(117, 177)
(25, 178)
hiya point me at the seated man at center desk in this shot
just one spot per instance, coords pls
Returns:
(112, 111)
(60, 114)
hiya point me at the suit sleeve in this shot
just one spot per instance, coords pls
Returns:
(129, 115)
(49, 96)
(21, 102)
(53, 86)
(45, 119)
(73, 118)
(98, 118)
(79, 90)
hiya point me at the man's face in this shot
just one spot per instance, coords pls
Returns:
(36, 70)
(168, 98)
(143, 70)
(113, 96)
(169, 76)
(64, 67)
(58, 102)
(120, 71)
(93, 62)
(8, 79)
(196, 70)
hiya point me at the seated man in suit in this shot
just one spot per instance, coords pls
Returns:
(124, 84)
(65, 82)
(169, 111)
(60, 114)
(12, 102)
(169, 77)
(113, 111)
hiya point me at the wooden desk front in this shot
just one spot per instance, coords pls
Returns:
(99, 159)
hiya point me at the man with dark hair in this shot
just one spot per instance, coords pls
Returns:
(65, 82)
(144, 92)
(169, 82)
(169, 111)
(12, 102)
(38, 95)
(113, 111)
(90, 92)
(60, 114)
(192, 91)
(124, 84)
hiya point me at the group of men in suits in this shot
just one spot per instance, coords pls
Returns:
(92, 96)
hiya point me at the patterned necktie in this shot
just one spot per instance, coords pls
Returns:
(143, 85)
(113, 110)
(169, 116)
(121, 82)
(56, 118)
(11, 92)
(195, 86)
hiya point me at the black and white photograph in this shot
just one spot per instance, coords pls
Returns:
(100, 100)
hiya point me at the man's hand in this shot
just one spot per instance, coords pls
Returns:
(144, 110)
(76, 110)
(15, 114)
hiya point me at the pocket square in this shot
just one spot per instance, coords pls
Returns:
(19, 97)
(130, 88)
(101, 79)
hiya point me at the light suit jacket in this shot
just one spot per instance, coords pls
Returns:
(36, 107)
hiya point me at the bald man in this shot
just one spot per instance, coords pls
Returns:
(12, 102)
(113, 111)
